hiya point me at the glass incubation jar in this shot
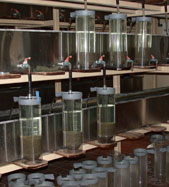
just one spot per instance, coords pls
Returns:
(102, 175)
(141, 154)
(167, 164)
(159, 157)
(105, 114)
(87, 165)
(117, 41)
(111, 176)
(105, 162)
(85, 39)
(72, 120)
(133, 161)
(77, 174)
(63, 179)
(122, 174)
(31, 127)
(143, 41)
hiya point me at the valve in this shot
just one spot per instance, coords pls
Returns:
(25, 63)
(101, 61)
(153, 61)
(129, 61)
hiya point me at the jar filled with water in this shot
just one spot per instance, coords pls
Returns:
(85, 39)
(31, 127)
(105, 114)
(143, 41)
(117, 41)
(72, 120)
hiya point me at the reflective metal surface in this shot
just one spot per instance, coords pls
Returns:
(150, 107)
(47, 48)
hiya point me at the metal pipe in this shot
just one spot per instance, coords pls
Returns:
(166, 17)
(104, 75)
(118, 8)
(70, 78)
(143, 7)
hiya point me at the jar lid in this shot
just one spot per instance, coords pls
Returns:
(71, 96)
(131, 160)
(121, 164)
(144, 19)
(60, 179)
(89, 164)
(105, 91)
(100, 172)
(111, 170)
(18, 184)
(71, 184)
(25, 100)
(157, 138)
(16, 177)
(115, 16)
(45, 184)
(140, 152)
(82, 13)
(104, 160)
(77, 173)
(89, 179)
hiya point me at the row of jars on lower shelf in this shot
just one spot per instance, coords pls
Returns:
(116, 170)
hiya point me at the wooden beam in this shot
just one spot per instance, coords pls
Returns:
(150, 13)
(20, 22)
(78, 4)
(55, 19)
(123, 4)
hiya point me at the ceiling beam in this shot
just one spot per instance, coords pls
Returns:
(79, 4)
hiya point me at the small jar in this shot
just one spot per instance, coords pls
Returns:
(60, 179)
(104, 162)
(122, 175)
(87, 165)
(141, 154)
(90, 180)
(77, 174)
(102, 175)
(133, 161)
(111, 176)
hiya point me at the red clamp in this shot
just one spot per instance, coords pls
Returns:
(152, 57)
(101, 58)
(128, 58)
(67, 59)
(26, 60)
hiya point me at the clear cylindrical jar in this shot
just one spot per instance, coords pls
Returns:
(77, 174)
(122, 175)
(105, 162)
(62, 179)
(31, 127)
(72, 120)
(102, 175)
(117, 40)
(90, 180)
(85, 39)
(159, 158)
(87, 165)
(143, 41)
(167, 164)
(133, 170)
(105, 114)
(141, 154)
(111, 177)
